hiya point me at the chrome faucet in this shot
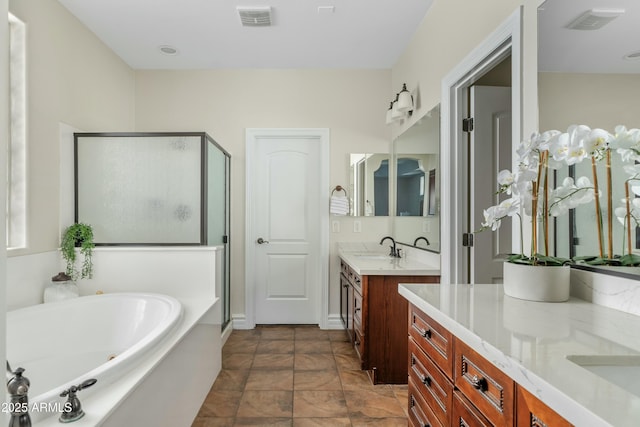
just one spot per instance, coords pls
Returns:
(18, 387)
(415, 242)
(394, 252)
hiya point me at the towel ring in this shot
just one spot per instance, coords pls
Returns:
(340, 188)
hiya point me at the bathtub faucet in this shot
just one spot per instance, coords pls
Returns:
(18, 387)
(72, 407)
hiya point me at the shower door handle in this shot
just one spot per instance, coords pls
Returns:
(261, 241)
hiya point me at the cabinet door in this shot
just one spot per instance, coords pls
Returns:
(344, 302)
(531, 412)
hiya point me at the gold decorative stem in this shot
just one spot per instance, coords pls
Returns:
(609, 208)
(598, 213)
(545, 204)
(626, 193)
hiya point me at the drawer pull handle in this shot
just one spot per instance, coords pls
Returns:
(479, 383)
(426, 333)
(358, 309)
(426, 381)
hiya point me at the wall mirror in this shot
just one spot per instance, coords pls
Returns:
(417, 183)
(589, 77)
(369, 184)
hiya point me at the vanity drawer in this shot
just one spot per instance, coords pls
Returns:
(432, 384)
(465, 415)
(486, 387)
(356, 281)
(432, 338)
(420, 414)
(344, 268)
(532, 412)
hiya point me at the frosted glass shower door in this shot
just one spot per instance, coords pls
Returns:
(218, 201)
(140, 188)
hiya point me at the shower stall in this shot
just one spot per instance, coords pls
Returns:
(155, 189)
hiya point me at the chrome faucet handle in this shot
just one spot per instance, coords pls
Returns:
(72, 407)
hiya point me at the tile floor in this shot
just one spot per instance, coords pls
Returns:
(297, 376)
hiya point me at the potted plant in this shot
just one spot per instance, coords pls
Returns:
(529, 188)
(78, 235)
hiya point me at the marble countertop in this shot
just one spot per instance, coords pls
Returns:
(381, 264)
(534, 343)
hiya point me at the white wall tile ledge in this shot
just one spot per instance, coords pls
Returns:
(530, 342)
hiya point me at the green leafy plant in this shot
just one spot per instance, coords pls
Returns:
(78, 235)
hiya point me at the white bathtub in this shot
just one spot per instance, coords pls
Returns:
(102, 336)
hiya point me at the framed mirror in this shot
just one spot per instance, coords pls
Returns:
(416, 180)
(590, 77)
(369, 184)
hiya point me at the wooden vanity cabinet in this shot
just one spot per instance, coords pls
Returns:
(378, 327)
(450, 384)
(532, 412)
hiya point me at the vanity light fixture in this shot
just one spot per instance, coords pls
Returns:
(401, 107)
(405, 100)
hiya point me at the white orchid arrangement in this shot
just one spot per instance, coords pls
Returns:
(529, 188)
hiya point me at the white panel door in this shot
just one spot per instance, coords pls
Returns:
(286, 215)
(491, 152)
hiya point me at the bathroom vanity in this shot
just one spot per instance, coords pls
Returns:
(479, 358)
(373, 312)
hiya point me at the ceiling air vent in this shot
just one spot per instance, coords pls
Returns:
(595, 19)
(255, 16)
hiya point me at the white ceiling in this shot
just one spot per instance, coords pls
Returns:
(597, 51)
(208, 33)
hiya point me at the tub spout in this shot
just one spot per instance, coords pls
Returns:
(72, 407)
(18, 388)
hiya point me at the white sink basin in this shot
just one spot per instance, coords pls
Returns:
(621, 370)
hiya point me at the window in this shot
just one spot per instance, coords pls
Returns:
(17, 155)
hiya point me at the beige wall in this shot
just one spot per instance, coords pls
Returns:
(595, 100)
(72, 77)
(450, 30)
(351, 103)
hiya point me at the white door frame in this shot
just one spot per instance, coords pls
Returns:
(322, 136)
(507, 37)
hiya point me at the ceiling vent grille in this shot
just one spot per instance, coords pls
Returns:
(255, 16)
(595, 19)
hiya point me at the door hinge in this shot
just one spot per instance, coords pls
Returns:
(467, 124)
(467, 240)
(225, 239)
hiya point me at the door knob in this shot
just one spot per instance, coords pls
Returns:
(261, 241)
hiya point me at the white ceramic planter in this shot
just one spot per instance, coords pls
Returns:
(536, 283)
